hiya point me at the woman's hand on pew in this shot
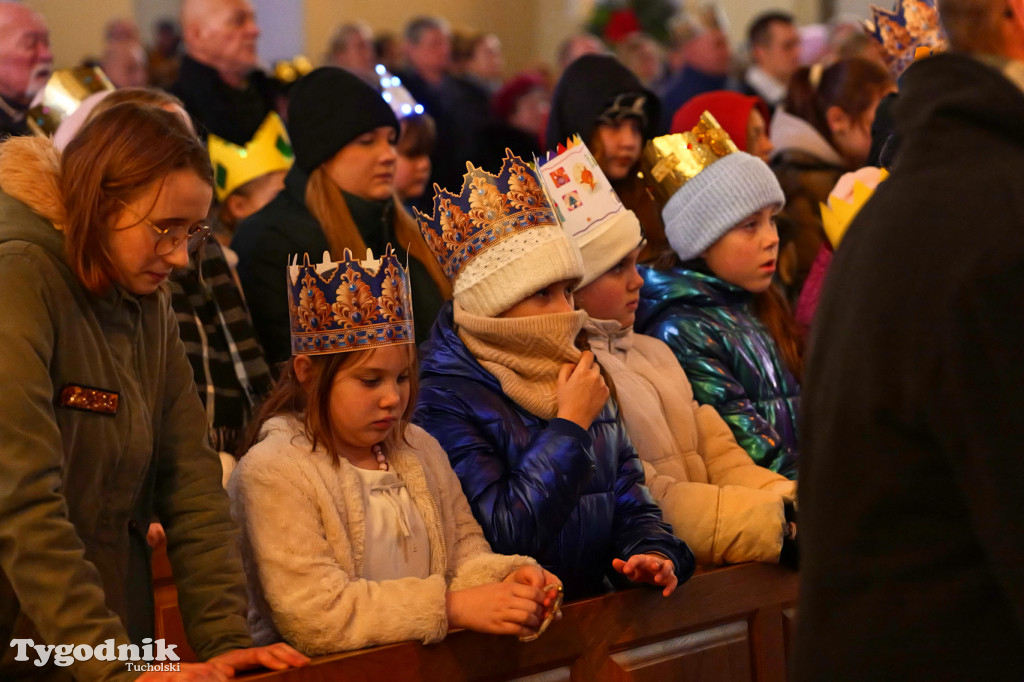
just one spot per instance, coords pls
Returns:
(505, 608)
(278, 656)
(649, 568)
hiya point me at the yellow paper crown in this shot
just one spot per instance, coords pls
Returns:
(63, 94)
(837, 215)
(269, 150)
(670, 161)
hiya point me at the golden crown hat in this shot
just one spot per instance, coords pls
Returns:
(291, 70)
(837, 215)
(269, 150)
(488, 210)
(63, 94)
(909, 26)
(670, 161)
(347, 305)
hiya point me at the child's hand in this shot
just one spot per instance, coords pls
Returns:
(505, 608)
(649, 568)
(582, 392)
(537, 577)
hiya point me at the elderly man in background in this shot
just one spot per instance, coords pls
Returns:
(25, 64)
(774, 44)
(220, 81)
(351, 48)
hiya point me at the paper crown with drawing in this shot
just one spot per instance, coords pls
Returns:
(346, 305)
(587, 207)
(498, 238)
(269, 150)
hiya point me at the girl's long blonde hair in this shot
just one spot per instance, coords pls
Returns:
(327, 204)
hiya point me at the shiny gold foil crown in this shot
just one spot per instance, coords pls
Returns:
(670, 161)
(63, 94)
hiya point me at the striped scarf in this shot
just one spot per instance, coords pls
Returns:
(230, 372)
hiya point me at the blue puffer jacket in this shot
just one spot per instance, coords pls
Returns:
(570, 498)
(729, 357)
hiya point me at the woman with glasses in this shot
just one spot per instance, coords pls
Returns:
(101, 426)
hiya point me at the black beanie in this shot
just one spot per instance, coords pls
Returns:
(585, 91)
(328, 108)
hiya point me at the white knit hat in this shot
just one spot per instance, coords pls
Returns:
(589, 209)
(716, 199)
(498, 241)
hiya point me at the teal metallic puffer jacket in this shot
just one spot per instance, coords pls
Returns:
(729, 357)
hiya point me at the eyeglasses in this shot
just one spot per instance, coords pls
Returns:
(170, 237)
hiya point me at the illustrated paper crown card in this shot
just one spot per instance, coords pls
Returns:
(670, 161)
(588, 208)
(63, 94)
(348, 305)
(269, 150)
(845, 201)
(911, 29)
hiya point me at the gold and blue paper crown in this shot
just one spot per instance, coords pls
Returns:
(490, 209)
(335, 307)
(902, 32)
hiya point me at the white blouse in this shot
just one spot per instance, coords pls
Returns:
(396, 543)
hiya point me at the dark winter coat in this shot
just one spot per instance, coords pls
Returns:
(730, 358)
(570, 498)
(911, 510)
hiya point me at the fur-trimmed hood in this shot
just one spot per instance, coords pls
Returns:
(30, 173)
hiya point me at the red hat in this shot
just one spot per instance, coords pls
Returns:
(504, 102)
(730, 109)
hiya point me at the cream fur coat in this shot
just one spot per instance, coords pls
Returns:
(723, 505)
(303, 529)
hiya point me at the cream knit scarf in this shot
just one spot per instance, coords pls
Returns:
(524, 354)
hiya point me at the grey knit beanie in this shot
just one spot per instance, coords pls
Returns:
(716, 199)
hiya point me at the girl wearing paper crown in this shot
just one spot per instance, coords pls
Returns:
(711, 297)
(724, 506)
(523, 414)
(339, 194)
(355, 529)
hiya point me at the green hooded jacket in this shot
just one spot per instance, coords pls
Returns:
(81, 480)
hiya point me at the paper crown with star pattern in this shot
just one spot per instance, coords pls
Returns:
(347, 305)
(269, 150)
(911, 29)
(589, 210)
(498, 241)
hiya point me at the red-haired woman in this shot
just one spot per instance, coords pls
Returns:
(102, 425)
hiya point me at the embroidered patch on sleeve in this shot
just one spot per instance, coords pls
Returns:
(89, 399)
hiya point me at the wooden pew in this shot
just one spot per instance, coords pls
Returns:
(724, 624)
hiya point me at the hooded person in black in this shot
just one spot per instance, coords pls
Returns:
(912, 520)
(601, 100)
